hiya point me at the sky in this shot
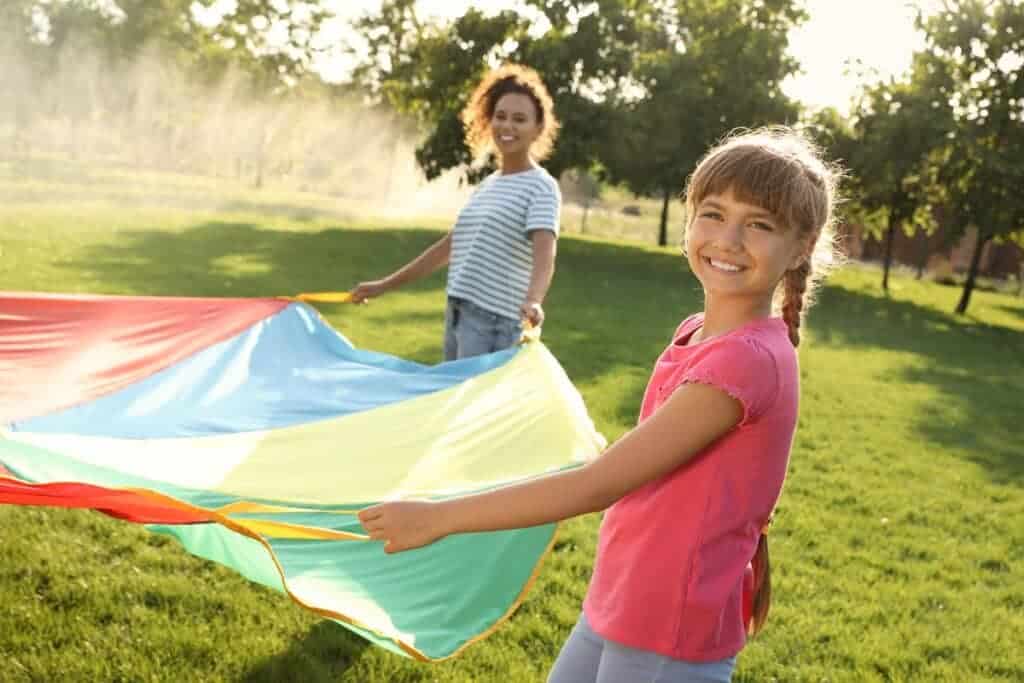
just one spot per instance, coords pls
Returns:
(878, 33)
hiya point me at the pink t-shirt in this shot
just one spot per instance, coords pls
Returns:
(671, 555)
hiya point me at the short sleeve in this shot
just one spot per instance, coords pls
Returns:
(688, 325)
(545, 208)
(741, 367)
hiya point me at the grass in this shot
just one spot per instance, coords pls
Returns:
(897, 542)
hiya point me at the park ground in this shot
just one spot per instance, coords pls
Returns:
(898, 544)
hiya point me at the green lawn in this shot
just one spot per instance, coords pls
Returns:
(898, 547)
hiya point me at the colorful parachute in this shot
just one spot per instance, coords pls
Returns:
(251, 431)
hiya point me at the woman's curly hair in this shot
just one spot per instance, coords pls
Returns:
(510, 78)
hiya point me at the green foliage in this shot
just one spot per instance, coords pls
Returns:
(976, 52)
(428, 69)
(642, 88)
(702, 68)
(240, 37)
(898, 132)
(897, 127)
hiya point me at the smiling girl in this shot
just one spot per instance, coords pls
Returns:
(501, 252)
(682, 574)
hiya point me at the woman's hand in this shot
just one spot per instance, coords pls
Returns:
(533, 312)
(368, 290)
(403, 525)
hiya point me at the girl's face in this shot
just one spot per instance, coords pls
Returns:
(514, 124)
(739, 250)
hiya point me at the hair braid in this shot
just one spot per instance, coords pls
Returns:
(794, 298)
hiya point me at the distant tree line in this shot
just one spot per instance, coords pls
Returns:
(643, 88)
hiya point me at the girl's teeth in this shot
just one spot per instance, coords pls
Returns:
(724, 266)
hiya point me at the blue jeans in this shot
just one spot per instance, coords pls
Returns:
(588, 658)
(471, 331)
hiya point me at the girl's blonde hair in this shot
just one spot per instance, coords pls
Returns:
(783, 172)
(510, 78)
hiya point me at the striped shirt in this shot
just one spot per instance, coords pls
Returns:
(492, 255)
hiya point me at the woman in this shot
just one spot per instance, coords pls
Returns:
(501, 252)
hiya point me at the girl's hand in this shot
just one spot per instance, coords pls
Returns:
(403, 525)
(532, 311)
(368, 290)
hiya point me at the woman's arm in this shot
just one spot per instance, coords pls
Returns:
(692, 418)
(432, 258)
(544, 247)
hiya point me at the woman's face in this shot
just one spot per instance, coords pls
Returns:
(514, 125)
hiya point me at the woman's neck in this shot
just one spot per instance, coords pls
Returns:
(516, 164)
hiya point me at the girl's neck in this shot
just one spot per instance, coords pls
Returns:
(721, 317)
(516, 164)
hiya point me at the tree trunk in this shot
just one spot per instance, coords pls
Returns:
(887, 261)
(972, 272)
(923, 253)
(663, 228)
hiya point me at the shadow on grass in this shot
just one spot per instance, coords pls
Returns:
(1013, 310)
(241, 259)
(611, 306)
(323, 654)
(979, 368)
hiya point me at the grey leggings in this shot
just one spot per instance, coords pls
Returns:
(588, 658)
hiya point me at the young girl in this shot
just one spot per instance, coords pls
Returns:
(691, 489)
(501, 252)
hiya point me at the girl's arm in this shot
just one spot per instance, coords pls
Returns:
(435, 256)
(544, 246)
(692, 418)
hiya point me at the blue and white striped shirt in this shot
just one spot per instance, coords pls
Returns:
(492, 255)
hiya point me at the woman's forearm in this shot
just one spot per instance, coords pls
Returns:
(544, 246)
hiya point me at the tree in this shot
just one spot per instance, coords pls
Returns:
(272, 40)
(897, 128)
(581, 49)
(976, 48)
(703, 68)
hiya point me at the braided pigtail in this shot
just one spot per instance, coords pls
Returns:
(795, 298)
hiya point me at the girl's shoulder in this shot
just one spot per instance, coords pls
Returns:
(754, 363)
(688, 326)
(757, 347)
(769, 332)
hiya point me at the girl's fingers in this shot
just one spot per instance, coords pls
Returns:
(368, 515)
